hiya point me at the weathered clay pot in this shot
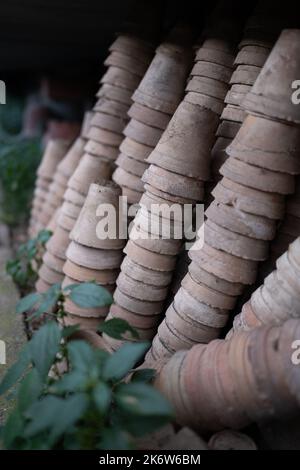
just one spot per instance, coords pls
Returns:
(142, 133)
(271, 95)
(133, 197)
(104, 136)
(135, 320)
(211, 70)
(115, 93)
(42, 286)
(162, 246)
(73, 196)
(93, 258)
(252, 55)
(167, 196)
(122, 61)
(208, 86)
(207, 295)
(140, 290)
(108, 122)
(54, 152)
(69, 209)
(98, 149)
(89, 170)
(216, 56)
(224, 265)
(135, 305)
(111, 107)
(49, 275)
(159, 227)
(257, 178)
(198, 125)
(173, 183)
(162, 86)
(145, 274)
(135, 149)
(120, 78)
(228, 129)
(133, 47)
(220, 285)
(250, 200)
(123, 178)
(149, 116)
(149, 259)
(236, 94)
(58, 243)
(53, 262)
(89, 324)
(82, 274)
(233, 113)
(208, 102)
(65, 222)
(130, 165)
(267, 144)
(42, 183)
(68, 164)
(245, 75)
(234, 219)
(85, 229)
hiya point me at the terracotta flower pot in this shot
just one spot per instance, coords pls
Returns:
(198, 125)
(42, 286)
(245, 75)
(135, 320)
(71, 210)
(89, 324)
(122, 61)
(167, 196)
(115, 93)
(220, 285)
(145, 274)
(53, 262)
(208, 86)
(140, 290)
(58, 243)
(82, 274)
(135, 305)
(111, 108)
(149, 116)
(104, 136)
(211, 70)
(98, 149)
(85, 229)
(108, 122)
(74, 197)
(217, 56)
(70, 161)
(93, 258)
(120, 78)
(133, 47)
(233, 113)
(54, 152)
(89, 170)
(149, 259)
(65, 222)
(130, 165)
(208, 102)
(271, 95)
(142, 133)
(236, 94)
(252, 55)
(123, 178)
(49, 275)
(135, 150)
(163, 246)
(228, 129)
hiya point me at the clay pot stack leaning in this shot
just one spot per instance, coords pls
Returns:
(154, 103)
(277, 299)
(62, 174)
(230, 384)
(261, 31)
(179, 167)
(104, 135)
(241, 220)
(54, 152)
(90, 256)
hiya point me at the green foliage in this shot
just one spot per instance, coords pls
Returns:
(19, 159)
(24, 267)
(87, 407)
(117, 327)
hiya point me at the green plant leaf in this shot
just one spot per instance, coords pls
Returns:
(90, 295)
(44, 236)
(115, 439)
(44, 347)
(28, 302)
(81, 355)
(16, 370)
(68, 331)
(123, 360)
(49, 299)
(143, 375)
(74, 381)
(102, 397)
(138, 425)
(56, 414)
(13, 428)
(29, 390)
(117, 327)
(142, 399)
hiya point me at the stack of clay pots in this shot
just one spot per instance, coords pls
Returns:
(261, 32)
(62, 174)
(90, 256)
(104, 136)
(154, 103)
(54, 152)
(179, 168)
(247, 203)
(231, 440)
(229, 384)
(277, 299)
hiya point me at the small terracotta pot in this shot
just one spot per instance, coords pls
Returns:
(158, 227)
(108, 122)
(82, 274)
(135, 305)
(53, 262)
(49, 275)
(145, 274)
(257, 178)
(115, 93)
(42, 182)
(133, 197)
(149, 259)
(104, 136)
(252, 55)
(208, 102)
(65, 222)
(135, 150)
(167, 196)
(149, 116)
(123, 178)
(140, 290)
(93, 258)
(167, 181)
(271, 95)
(216, 56)
(58, 243)
(142, 133)
(228, 129)
(198, 125)
(211, 70)
(86, 324)
(236, 220)
(219, 156)
(70, 161)
(225, 265)
(108, 152)
(85, 229)
(208, 86)
(70, 210)
(267, 144)
(112, 108)
(133, 47)
(233, 113)
(245, 75)
(122, 61)
(89, 170)
(130, 165)
(236, 94)
(162, 246)
(200, 275)
(120, 78)
(74, 197)
(135, 320)
(250, 200)
(54, 152)
(42, 286)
